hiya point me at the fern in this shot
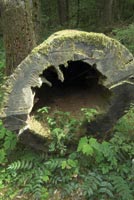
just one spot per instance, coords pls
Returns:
(105, 189)
(89, 113)
(35, 184)
(31, 175)
(53, 164)
(24, 164)
(70, 189)
(94, 186)
(122, 188)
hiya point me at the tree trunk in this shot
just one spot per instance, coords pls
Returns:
(78, 13)
(107, 12)
(104, 12)
(63, 9)
(36, 12)
(18, 30)
(0, 18)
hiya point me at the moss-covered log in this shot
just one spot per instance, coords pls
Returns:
(64, 55)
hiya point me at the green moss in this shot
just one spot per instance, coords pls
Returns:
(96, 39)
(39, 128)
(100, 42)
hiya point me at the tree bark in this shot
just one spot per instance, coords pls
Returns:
(63, 9)
(78, 13)
(107, 12)
(18, 30)
(0, 18)
(36, 13)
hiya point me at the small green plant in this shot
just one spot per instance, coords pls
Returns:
(63, 129)
(63, 126)
(41, 113)
(89, 113)
(8, 141)
(88, 146)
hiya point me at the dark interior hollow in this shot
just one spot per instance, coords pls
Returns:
(80, 89)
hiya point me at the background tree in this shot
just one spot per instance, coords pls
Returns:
(88, 15)
(107, 12)
(0, 18)
(36, 16)
(63, 10)
(18, 31)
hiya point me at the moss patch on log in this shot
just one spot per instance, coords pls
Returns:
(38, 128)
(98, 40)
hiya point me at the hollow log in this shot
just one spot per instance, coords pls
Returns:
(75, 60)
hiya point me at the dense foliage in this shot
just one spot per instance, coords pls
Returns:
(89, 169)
(125, 36)
(88, 15)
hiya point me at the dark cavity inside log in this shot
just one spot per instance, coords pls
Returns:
(80, 89)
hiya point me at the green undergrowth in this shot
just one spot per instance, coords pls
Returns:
(125, 36)
(90, 169)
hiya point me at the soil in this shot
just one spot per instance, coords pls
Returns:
(72, 98)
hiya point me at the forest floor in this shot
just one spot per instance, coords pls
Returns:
(72, 99)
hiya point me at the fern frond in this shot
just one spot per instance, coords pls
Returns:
(21, 164)
(38, 182)
(35, 183)
(54, 163)
(106, 191)
(122, 188)
(90, 184)
(69, 188)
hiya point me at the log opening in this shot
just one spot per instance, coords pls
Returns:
(81, 88)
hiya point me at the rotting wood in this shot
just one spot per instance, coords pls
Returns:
(105, 55)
